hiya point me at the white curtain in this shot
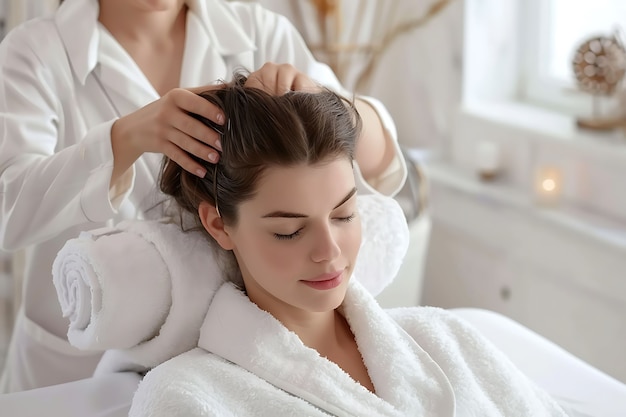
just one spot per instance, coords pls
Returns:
(417, 74)
(18, 11)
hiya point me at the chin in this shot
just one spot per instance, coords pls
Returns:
(330, 301)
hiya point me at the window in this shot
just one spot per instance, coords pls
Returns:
(551, 31)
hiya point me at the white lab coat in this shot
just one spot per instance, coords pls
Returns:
(63, 82)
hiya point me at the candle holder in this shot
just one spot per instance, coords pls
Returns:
(488, 160)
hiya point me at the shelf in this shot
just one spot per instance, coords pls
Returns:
(590, 225)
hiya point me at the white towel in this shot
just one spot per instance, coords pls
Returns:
(101, 285)
(385, 242)
(141, 289)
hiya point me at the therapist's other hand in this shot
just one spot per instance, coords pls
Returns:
(165, 126)
(279, 79)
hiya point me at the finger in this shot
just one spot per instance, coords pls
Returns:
(273, 79)
(192, 146)
(264, 78)
(285, 77)
(302, 82)
(194, 128)
(193, 103)
(183, 159)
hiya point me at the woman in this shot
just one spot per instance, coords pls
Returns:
(292, 333)
(89, 100)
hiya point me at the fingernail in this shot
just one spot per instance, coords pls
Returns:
(212, 157)
(218, 144)
(220, 118)
(201, 172)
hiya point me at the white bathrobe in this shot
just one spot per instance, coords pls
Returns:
(422, 361)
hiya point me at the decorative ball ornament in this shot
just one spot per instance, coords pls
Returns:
(599, 64)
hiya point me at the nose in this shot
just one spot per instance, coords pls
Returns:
(325, 246)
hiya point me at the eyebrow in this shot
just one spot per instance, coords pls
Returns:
(290, 215)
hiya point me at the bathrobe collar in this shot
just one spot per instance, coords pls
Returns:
(77, 22)
(406, 379)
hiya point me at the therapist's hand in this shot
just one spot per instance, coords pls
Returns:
(374, 152)
(279, 79)
(165, 126)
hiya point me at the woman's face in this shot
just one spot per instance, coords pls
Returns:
(297, 240)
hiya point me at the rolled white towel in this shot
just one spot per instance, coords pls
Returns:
(384, 244)
(114, 287)
(139, 290)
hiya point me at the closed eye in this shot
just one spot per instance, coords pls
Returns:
(288, 237)
(347, 219)
(298, 232)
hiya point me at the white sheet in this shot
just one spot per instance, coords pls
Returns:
(103, 396)
(581, 389)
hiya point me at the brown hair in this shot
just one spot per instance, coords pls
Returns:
(263, 130)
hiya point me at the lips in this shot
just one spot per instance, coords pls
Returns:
(325, 281)
(325, 277)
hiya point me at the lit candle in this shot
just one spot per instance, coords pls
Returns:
(548, 185)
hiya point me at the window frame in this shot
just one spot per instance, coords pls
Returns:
(536, 85)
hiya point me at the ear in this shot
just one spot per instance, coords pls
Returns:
(214, 224)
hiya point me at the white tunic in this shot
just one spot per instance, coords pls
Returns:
(63, 82)
(422, 361)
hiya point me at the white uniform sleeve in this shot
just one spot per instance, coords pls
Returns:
(49, 179)
(278, 41)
